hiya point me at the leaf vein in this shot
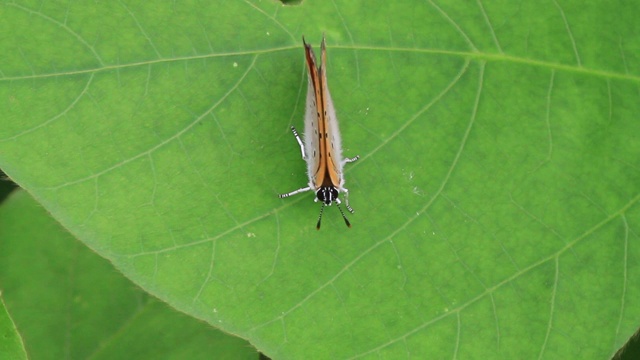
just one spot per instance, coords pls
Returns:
(64, 27)
(568, 28)
(164, 142)
(56, 117)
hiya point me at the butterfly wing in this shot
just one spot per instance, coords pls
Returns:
(332, 140)
(313, 124)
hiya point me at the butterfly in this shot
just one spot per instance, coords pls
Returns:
(322, 148)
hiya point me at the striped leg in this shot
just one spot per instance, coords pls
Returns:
(295, 133)
(282, 196)
(346, 200)
(350, 160)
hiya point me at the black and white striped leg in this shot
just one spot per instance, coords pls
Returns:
(350, 160)
(346, 200)
(295, 133)
(282, 196)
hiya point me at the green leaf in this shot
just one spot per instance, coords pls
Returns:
(496, 196)
(11, 346)
(69, 303)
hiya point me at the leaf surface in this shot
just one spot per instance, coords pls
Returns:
(11, 346)
(496, 196)
(70, 304)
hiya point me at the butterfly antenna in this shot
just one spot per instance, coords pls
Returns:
(344, 217)
(320, 217)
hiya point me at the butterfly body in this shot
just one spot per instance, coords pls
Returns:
(322, 148)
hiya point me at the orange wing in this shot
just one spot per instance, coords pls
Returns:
(319, 174)
(333, 158)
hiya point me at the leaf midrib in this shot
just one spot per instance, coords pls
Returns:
(474, 55)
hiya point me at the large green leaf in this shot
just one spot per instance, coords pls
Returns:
(496, 196)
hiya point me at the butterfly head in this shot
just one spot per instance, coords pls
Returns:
(328, 195)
